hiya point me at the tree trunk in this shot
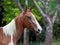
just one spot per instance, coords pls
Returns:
(49, 31)
(26, 36)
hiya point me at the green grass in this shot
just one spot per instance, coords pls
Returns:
(56, 43)
(37, 43)
(53, 43)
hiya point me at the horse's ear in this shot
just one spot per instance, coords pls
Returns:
(25, 9)
(30, 8)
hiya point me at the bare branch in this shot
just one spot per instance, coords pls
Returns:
(39, 9)
(41, 12)
(45, 4)
(56, 12)
(26, 2)
(18, 4)
(54, 17)
(46, 7)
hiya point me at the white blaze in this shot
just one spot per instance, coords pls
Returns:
(38, 25)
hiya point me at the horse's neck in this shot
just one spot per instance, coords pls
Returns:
(10, 28)
(19, 26)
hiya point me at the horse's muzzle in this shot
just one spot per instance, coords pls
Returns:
(38, 31)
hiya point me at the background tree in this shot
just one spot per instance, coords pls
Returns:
(49, 20)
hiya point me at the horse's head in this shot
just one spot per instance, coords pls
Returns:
(30, 21)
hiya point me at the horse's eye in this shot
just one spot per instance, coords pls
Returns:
(28, 17)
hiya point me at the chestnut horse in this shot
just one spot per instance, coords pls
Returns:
(10, 33)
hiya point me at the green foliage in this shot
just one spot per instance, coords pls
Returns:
(37, 15)
(52, 5)
(57, 29)
(10, 10)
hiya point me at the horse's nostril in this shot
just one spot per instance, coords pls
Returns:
(38, 29)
